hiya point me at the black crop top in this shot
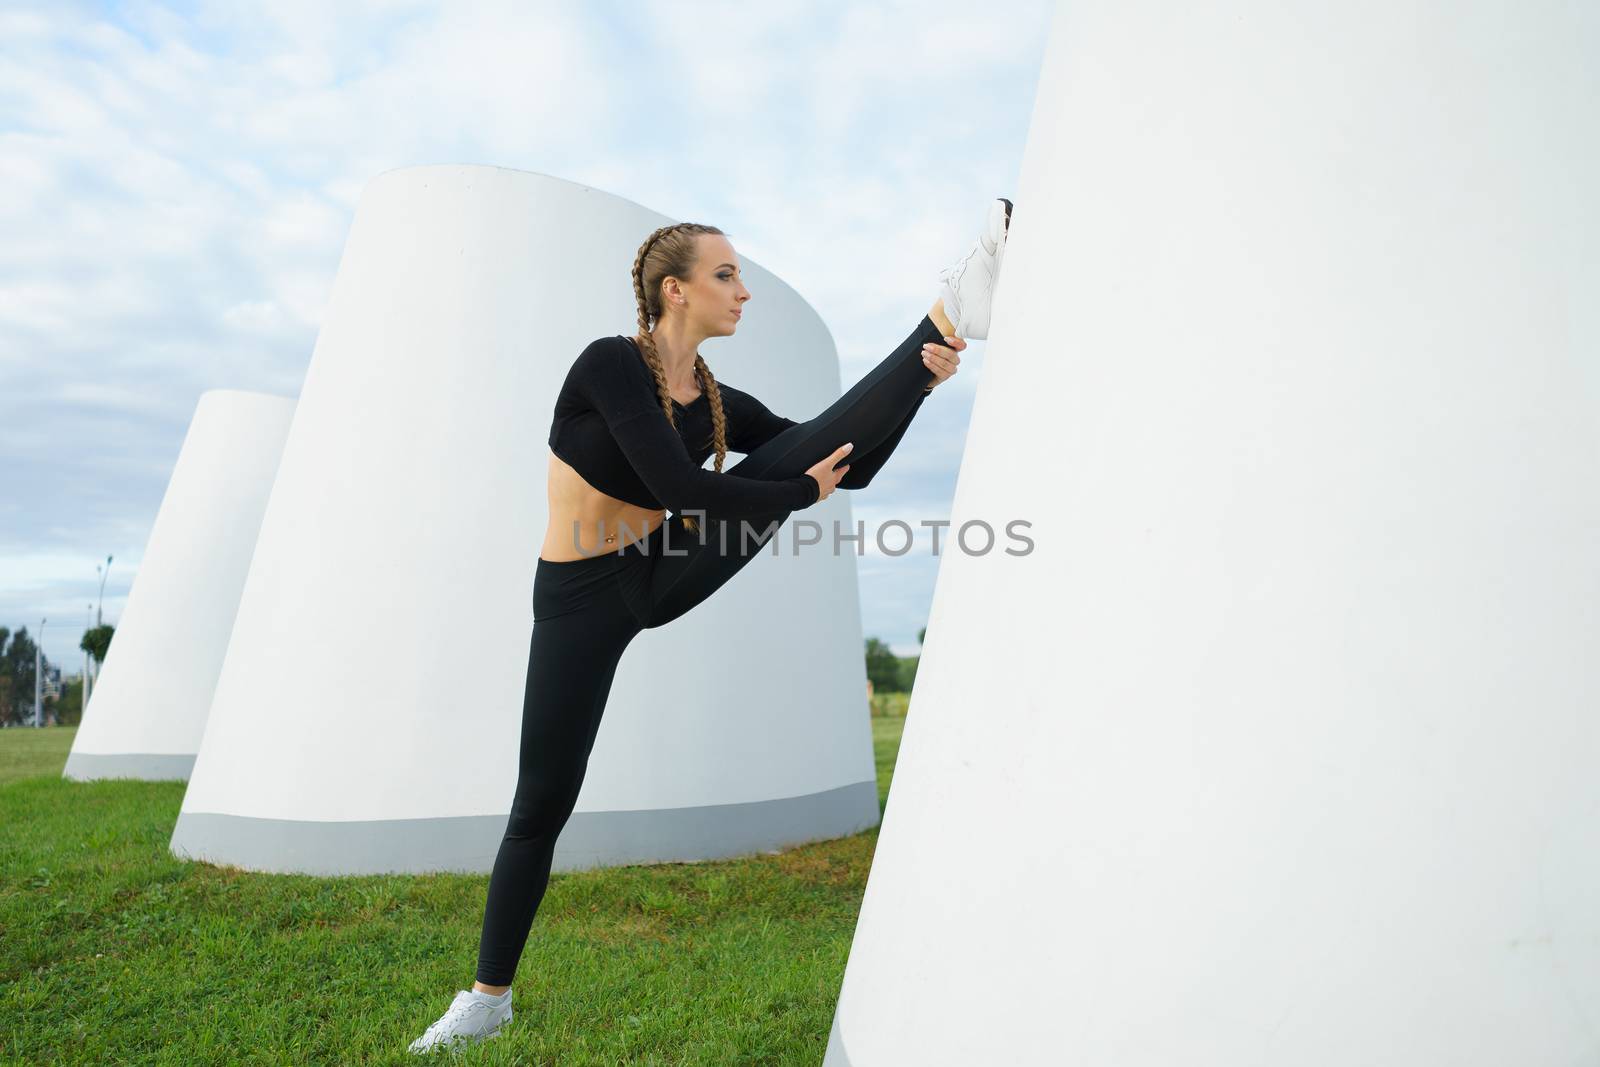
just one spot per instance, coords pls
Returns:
(609, 427)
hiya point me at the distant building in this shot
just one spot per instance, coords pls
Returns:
(51, 686)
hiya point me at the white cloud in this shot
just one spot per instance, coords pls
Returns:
(255, 316)
(179, 184)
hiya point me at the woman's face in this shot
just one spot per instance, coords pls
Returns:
(711, 297)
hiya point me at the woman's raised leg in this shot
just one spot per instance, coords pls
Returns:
(866, 415)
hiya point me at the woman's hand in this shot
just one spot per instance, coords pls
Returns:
(942, 359)
(827, 478)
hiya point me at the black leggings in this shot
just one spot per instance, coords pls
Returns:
(586, 611)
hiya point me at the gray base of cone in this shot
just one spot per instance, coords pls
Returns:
(152, 766)
(836, 1056)
(470, 843)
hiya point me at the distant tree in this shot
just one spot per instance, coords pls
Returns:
(16, 676)
(97, 642)
(921, 634)
(68, 707)
(883, 667)
(908, 671)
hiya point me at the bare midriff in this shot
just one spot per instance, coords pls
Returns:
(585, 522)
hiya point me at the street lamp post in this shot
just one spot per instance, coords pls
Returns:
(83, 694)
(38, 676)
(98, 620)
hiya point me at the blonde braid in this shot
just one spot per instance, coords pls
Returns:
(676, 255)
(719, 421)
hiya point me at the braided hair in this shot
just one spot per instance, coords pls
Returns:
(671, 251)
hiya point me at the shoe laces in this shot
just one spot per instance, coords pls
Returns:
(976, 252)
(952, 274)
(456, 1013)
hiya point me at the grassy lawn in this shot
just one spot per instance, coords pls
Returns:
(113, 951)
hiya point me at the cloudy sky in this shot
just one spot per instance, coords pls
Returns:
(179, 179)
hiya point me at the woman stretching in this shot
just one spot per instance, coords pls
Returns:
(634, 420)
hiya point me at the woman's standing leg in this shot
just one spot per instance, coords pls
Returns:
(865, 415)
(580, 631)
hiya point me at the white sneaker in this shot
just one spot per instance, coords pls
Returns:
(469, 1019)
(967, 286)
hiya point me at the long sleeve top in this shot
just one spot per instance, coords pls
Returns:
(610, 428)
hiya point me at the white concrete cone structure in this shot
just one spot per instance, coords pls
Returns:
(1281, 745)
(148, 709)
(368, 714)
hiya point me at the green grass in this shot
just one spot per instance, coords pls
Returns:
(114, 951)
(26, 753)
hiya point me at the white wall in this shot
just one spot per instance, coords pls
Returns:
(368, 713)
(148, 710)
(1282, 746)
